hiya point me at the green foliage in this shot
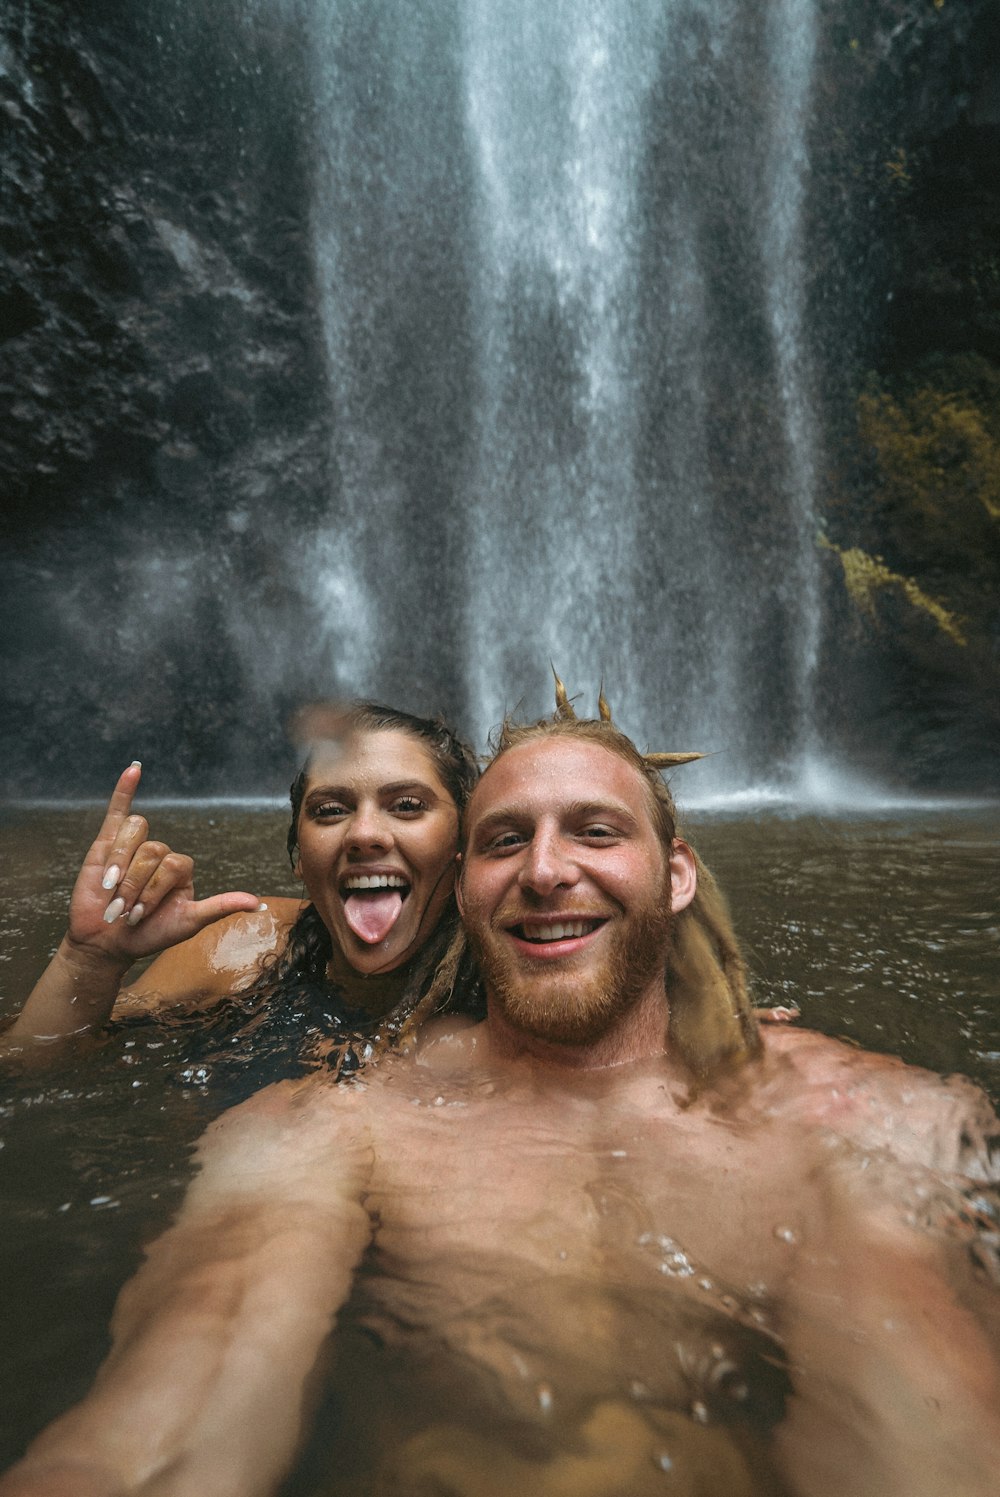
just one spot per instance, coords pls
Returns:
(936, 451)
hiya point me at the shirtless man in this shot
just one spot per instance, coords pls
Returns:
(563, 1263)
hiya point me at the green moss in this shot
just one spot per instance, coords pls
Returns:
(937, 451)
(865, 576)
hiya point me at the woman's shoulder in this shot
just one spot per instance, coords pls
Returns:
(219, 960)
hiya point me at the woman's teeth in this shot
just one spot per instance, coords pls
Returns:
(374, 881)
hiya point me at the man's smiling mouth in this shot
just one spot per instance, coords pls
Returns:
(555, 930)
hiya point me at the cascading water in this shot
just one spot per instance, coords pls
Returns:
(562, 253)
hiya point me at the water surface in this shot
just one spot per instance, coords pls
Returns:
(884, 930)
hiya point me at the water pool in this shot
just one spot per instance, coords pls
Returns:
(884, 930)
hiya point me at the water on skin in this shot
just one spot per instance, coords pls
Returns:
(882, 929)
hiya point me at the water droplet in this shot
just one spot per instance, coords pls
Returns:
(544, 1397)
(662, 1459)
(699, 1412)
(706, 1284)
(563, 1254)
(438, 1101)
(786, 1234)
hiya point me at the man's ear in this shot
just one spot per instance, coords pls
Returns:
(683, 876)
(458, 884)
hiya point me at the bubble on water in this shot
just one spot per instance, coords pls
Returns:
(674, 1261)
(786, 1234)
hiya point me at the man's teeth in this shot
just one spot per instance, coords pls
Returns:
(561, 932)
(375, 881)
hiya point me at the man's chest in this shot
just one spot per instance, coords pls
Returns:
(636, 1199)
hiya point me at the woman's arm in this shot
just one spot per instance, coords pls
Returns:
(133, 897)
(214, 1340)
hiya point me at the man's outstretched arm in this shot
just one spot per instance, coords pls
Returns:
(213, 1341)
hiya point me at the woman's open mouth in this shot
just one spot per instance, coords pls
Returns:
(373, 903)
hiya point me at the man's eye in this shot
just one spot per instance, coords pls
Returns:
(504, 840)
(599, 833)
(409, 805)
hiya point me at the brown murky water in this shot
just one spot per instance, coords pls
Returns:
(884, 929)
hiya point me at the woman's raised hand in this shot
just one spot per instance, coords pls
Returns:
(134, 896)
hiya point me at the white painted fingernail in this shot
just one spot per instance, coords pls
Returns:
(113, 910)
(136, 764)
(135, 914)
(261, 906)
(112, 877)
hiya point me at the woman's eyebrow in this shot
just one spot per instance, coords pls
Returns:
(396, 787)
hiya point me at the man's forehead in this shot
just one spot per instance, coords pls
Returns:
(545, 772)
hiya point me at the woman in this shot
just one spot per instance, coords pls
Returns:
(373, 836)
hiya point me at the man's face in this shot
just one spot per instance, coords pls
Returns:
(565, 888)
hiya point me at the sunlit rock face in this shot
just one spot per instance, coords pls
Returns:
(381, 349)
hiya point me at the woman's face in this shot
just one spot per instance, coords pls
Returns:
(378, 833)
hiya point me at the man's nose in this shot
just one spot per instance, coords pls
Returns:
(370, 828)
(548, 864)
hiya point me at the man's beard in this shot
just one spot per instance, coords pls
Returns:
(578, 1005)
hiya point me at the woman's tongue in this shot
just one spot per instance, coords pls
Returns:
(371, 915)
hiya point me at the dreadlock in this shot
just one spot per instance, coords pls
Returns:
(711, 1024)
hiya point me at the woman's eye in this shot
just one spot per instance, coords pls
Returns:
(328, 810)
(408, 805)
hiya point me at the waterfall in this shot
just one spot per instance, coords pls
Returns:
(561, 253)
(421, 345)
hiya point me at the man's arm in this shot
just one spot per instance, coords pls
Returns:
(893, 1311)
(213, 1341)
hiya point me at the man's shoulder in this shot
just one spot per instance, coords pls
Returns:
(881, 1102)
(309, 1137)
